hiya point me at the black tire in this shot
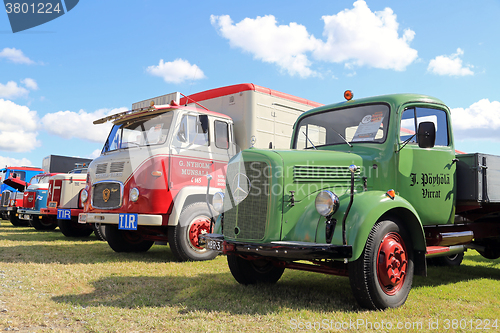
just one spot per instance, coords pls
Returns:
(16, 221)
(183, 238)
(71, 228)
(126, 240)
(99, 231)
(453, 260)
(43, 224)
(253, 271)
(373, 277)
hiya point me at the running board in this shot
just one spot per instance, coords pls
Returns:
(442, 251)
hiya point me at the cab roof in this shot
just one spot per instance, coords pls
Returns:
(393, 99)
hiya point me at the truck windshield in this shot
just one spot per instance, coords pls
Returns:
(144, 131)
(367, 123)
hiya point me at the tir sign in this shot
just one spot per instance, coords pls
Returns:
(127, 221)
(64, 214)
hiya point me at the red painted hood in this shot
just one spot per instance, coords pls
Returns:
(16, 183)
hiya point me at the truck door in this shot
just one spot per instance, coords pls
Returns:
(191, 159)
(426, 176)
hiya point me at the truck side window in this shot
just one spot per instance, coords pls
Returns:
(190, 131)
(414, 116)
(407, 129)
(221, 135)
(438, 117)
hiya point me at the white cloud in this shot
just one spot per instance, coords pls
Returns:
(69, 124)
(284, 45)
(12, 90)
(361, 37)
(355, 37)
(480, 120)
(30, 83)
(9, 161)
(450, 65)
(18, 127)
(15, 56)
(95, 154)
(176, 71)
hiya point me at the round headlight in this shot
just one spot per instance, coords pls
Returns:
(134, 194)
(218, 202)
(327, 203)
(84, 196)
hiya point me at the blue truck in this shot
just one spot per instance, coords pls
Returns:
(13, 182)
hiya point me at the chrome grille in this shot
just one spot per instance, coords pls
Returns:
(306, 173)
(101, 168)
(107, 195)
(247, 220)
(5, 198)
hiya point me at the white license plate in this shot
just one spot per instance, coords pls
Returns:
(24, 216)
(215, 245)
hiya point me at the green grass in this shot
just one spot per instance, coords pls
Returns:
(50, 283)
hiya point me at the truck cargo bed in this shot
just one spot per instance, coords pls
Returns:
(478, 179)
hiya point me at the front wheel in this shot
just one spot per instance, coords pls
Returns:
(382, 276)
(16, 221)
(183, 238)
(71, 228)
(126, 240)
(43, 224)
(253, 271)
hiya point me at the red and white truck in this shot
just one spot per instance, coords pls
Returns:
(150, 182)
(64, 205)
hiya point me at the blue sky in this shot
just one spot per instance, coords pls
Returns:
(102, 56)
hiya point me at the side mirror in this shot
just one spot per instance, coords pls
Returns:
(426, 134)
(203, 118)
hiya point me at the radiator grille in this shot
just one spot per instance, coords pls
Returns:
(5, 198)
(247, 220)
(107, 195)
(306, 173)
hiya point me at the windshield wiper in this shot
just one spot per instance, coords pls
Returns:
(312, 144)
(341, 137)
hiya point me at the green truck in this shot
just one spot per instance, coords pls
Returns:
(370, 189)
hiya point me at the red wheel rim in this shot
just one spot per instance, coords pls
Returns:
(198, 227)
(392, 263)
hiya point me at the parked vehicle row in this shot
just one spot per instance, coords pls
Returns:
(368, 188)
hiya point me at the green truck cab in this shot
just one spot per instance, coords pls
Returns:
(369, 189)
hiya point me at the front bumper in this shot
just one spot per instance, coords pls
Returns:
(54, 211)
(108, 218)
(279, 249)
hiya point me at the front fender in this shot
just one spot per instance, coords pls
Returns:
(370, 207)
(183, 195)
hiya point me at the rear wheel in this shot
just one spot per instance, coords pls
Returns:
(43, 224)
(126, 240)
(183, 238)
(382, 276)
(253, 271)
(71, 228)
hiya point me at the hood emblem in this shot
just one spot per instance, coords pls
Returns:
(241, 187)
(105, 194)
